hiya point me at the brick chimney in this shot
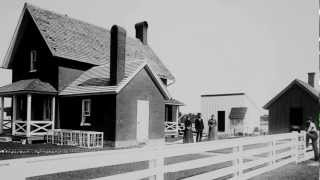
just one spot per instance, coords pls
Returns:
(117, 54)
(311, 76)
(142, 31)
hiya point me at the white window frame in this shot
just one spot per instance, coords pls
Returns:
(84, 113)
(33, 60)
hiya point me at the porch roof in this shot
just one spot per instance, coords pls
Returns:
(28, 86)
(174, 102)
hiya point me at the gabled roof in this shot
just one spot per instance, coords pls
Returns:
(96, 80)
(28, 86)
(216, 95)
(305, 86)
(238, 113)
(80, 41)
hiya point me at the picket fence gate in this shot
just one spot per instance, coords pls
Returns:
(249, 157)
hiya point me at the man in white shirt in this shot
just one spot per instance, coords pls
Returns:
(312, 134)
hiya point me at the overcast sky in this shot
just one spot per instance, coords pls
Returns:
(213, 46)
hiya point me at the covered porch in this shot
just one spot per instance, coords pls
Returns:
(33, 104)
(172, 117)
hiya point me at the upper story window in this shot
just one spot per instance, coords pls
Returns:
(86, 112)
(33, 61)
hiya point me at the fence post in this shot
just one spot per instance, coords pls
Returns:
(295, 142)
(238, 152)
(158, 163)
(273, 154)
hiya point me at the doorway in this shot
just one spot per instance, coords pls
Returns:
(296, 116)
(142, 121)
(221, 121)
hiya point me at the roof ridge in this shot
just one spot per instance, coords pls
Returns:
(66, 15)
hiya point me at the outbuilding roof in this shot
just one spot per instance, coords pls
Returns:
(28, 86)
(80, 41)
(305, 86)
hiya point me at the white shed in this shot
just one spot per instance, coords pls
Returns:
(234, 112)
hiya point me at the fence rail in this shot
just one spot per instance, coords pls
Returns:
(249, 156)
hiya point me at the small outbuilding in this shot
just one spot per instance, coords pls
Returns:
(235, 113)
(291, 107)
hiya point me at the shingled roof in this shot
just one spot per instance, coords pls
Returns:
(97, 80)
(309, 89)
(29, 85)
(80, 41)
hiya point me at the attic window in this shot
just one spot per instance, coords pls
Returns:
(33, 61)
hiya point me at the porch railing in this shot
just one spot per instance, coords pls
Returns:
(6, 124)
(171, 128)
(37, 128)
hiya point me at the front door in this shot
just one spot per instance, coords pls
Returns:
(142, 120)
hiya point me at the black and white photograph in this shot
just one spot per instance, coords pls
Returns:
(159, 90)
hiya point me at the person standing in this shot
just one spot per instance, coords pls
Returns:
(187, 136)
(199, 127)
(212, 123)
(312, 134)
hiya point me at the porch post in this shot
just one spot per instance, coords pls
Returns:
(53, 112)
(1, 114)
(177, 121)
(28, 115)
(14, 114)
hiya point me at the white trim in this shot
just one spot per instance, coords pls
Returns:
(7, 57)
(154, 77)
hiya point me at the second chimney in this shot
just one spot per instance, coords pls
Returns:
(311, 76)
(117, 54)
(141, 32)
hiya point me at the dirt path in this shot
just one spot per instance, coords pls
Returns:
(308, 170)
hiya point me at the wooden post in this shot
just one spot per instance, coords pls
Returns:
(157, 163)
(29, 99)
(177, 122)
(1, 114)
(53, 112)
(14, 114)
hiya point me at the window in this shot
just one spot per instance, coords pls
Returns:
(33, 61)
(86, 112)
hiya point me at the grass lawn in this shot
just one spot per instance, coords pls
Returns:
(308, 170)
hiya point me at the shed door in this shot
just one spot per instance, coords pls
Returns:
(221, 121)
(142, 120)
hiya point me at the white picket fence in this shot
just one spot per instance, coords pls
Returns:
(249, 156)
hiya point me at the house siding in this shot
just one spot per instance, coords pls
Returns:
(30, 39)
(279, 111)
(141, 87)
(225, 102)
(102, 114)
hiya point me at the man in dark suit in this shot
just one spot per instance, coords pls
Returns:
(199, 127)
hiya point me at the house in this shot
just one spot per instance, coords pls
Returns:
(70, 74)
(235, 113)
(291, 107)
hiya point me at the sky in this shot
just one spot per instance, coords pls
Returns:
(211, 46)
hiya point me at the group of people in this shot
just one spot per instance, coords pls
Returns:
(199, 126)
(311, 132)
